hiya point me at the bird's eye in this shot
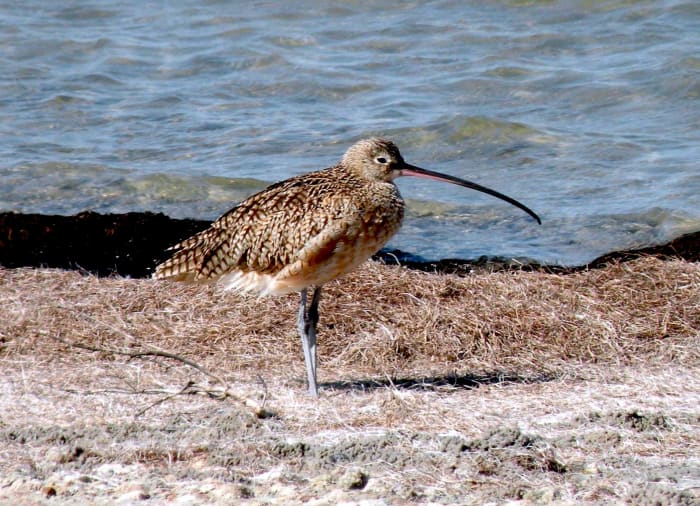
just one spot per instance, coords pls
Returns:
(380, 159)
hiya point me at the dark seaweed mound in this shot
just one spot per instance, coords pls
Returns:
(132, 244)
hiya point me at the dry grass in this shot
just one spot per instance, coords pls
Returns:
(379, 321)
(503, 386)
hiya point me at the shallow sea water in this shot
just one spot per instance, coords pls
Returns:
(586, 111)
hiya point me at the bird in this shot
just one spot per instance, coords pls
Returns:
(307, 230)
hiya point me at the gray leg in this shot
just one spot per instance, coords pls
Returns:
(312, 318)
(306, 323)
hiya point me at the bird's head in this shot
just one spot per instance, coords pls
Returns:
(377, 160)
(374, 159)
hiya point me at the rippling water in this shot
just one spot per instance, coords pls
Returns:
(587, 111)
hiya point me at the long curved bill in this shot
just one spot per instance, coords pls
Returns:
(412, 170)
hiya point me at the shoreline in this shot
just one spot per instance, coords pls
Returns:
(131, 244)
(508, 387)
(501, 388)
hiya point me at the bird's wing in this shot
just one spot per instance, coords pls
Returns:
(313, 264)
(193, 254)
(300, 219)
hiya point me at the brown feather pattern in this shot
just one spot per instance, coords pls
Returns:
(296, 233)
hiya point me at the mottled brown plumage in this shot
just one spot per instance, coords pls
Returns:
(303, 231)
(306, 231)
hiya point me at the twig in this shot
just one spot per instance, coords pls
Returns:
(192, 388)
(258, 411)
(184, 389)
(144, 353)
(264, 386)
(150, 352)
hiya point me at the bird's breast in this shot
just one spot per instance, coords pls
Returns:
(368, 222)
(378, 217)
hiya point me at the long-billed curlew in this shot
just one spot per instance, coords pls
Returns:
(306, 231)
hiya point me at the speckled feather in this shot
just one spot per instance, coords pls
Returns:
(301, 232)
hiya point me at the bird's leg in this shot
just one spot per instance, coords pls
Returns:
(312, 321)
(308, 341)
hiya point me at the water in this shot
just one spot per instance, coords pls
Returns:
(586, 111)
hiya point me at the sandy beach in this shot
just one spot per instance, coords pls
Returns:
(493, 388)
